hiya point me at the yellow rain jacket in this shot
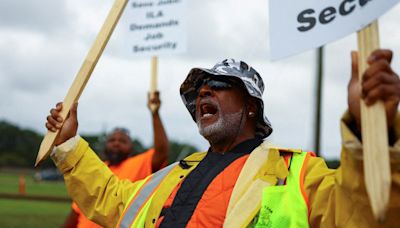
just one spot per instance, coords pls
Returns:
(337, 198)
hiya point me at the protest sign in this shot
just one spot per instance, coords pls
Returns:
(156, 27)
(296, 26)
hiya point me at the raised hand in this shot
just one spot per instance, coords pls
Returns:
(379, 82)
(55, 121)
(154, 102)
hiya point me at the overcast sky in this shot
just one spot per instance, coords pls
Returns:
(44, 42)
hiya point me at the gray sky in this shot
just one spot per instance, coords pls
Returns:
(43, 44)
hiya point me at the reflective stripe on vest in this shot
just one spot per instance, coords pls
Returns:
(133, 209)
(286, 205)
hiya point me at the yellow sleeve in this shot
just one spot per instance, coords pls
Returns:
(338, 198)
(98, 192)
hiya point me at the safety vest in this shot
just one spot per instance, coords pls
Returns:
(140, 204)
(286, 205)
(140, 212)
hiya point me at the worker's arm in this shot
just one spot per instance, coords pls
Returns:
(339, 198)
(161, 145)
(100, 195)
(97, 191)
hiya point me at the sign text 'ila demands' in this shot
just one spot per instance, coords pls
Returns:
(156, 27)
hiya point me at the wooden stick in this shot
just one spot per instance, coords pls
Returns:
(83, 75)
(153, 81)
(154, 68)
(374, 133)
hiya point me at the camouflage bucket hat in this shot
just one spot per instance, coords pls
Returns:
(250, 78)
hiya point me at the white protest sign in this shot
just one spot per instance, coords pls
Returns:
(296, 26)
(156, 27)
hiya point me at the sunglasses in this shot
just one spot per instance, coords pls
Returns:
(217, 83)
(214, 83)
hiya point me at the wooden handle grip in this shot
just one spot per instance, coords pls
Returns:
(374, 133)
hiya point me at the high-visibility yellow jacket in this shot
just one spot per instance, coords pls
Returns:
(133, 168)
(230, 199)
(337, 198)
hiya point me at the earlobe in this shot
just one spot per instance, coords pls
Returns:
(252, 108)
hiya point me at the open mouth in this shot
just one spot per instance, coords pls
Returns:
(207, 110)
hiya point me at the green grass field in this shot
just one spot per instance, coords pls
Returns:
(9, 184)
(30, 213)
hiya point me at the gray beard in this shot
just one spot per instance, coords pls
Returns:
(226, 127)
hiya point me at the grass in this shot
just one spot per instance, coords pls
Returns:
(26, 213)
(9, 184)
(17, 213)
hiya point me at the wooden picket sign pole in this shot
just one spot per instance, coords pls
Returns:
(374, 133)
(83, 75)
(153, 80)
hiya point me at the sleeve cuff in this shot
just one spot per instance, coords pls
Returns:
(354, 146)
(67, 154)
(60, 152)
